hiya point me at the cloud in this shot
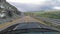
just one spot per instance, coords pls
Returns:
(56, 8)
(28, 1)
(35, 5)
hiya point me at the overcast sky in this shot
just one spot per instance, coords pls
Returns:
(35, 5)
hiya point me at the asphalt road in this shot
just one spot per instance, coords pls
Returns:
(25, 19)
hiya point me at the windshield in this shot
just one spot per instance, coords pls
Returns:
(30, 15)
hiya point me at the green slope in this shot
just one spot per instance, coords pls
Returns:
(50, 14)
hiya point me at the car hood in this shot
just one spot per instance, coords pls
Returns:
(33, 25)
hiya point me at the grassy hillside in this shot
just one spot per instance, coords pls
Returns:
(46, 14)
(52, 14)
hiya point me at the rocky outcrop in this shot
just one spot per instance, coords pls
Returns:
(6, 6)
(10, 11)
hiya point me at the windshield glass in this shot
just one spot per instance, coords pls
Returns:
(30, 15)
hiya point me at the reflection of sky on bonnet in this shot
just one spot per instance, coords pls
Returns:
(54, 3)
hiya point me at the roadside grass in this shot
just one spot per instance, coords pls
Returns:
(46, 14)
(52, 25)
(55, 14)
(49, 24)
